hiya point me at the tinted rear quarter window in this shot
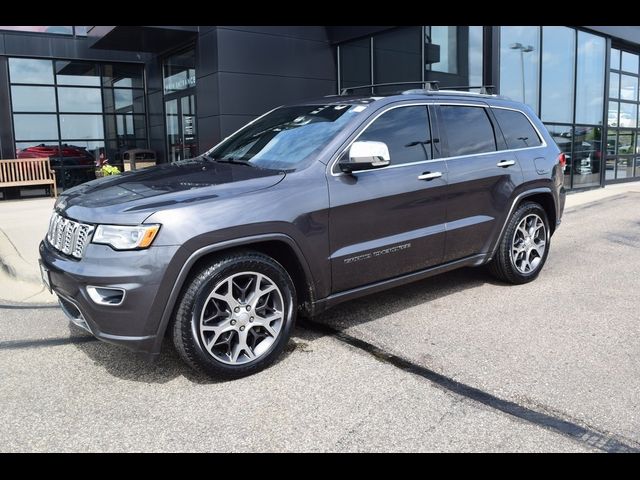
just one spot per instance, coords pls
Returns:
(468, 130)
(517, 129)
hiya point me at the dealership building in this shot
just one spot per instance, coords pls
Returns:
(87, 91)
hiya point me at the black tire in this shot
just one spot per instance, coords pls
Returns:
(502, 265)
(186, 326)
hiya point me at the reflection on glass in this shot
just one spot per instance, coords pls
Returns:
(637, 169)
(475, 55)
(612, 117)
(630, 62)
(122, 75)
(76, 127)
(79, 99)
(562, 135)
(355, 63)
(629, 88)
(614, 85)
(519, 63)
(63, 30)
(628, 115)
(28, 70)
(35, 127)
(626, 142)
(624, 168)
(396, 56)
(33, 99)
(587, 156)
(615, 59)
(558, 53)
(125, 126)
(590, 78)
(77, 73)
(446, 37)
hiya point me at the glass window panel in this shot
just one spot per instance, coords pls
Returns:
(637, 170)
(28, 70)
(468, 130)
(519, 64)
(405, 131)
(116, 149)
(179, 72)
(558, 54)
(628, 115)
(81, 31)
(355, 63)
(446, 38)
(79, 99)
(630, 62)
(64, 30)
(614, 85)
(33, 99)
(587, 156)
(629, 88)
(624, 168)
(397, 56)
(590, 78)
(81, 127)
(121, 126)
(615, 59)
(35, 127)
(122, 75)
(475, 55)
(612, 115)
(517, 130)
(118, 100)
(562, 135)
(626, 142)
(77, 73)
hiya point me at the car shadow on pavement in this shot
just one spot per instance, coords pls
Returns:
(124, 364)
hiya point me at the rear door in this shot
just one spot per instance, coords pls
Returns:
(482, 176)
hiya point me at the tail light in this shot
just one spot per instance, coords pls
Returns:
(562, 160)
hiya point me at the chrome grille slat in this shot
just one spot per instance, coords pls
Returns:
(68, 236)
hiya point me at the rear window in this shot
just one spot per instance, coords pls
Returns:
(468, 130)
(517, 129)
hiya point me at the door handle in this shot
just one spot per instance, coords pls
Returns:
(506, 163)
(429, 175)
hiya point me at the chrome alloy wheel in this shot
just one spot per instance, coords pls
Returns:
(242, 317)
(529, 243)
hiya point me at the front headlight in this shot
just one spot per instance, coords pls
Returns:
(123, 237)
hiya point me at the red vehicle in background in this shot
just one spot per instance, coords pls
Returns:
(73, 164)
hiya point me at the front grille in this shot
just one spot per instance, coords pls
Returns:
(67, 236)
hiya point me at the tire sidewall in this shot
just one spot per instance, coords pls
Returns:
(245, 264)
(523, 211)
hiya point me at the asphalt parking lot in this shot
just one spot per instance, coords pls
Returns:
(458, 362)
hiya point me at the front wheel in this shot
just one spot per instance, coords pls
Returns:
(236, 315)
(524, 246)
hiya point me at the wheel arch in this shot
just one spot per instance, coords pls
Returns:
(280, 247)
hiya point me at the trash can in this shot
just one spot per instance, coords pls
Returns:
(138, 158)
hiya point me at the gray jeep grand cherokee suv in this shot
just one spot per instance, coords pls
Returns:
(303, 208)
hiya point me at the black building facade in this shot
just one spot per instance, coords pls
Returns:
(178, 90)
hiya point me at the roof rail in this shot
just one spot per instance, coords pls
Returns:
(428, 85)
(484, 89)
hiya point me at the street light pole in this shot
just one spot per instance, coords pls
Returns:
(523, 49)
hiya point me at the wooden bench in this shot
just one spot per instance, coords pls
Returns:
(22, 172)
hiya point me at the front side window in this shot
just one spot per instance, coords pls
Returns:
(516, 128)
(406, 133)
(468, 130)
(287, 138)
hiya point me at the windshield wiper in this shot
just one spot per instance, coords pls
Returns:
(235, 161)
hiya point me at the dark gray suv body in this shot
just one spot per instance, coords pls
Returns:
(319, 212)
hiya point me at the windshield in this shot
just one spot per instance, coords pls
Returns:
(286, 138)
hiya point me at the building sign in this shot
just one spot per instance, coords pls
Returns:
(180, 81)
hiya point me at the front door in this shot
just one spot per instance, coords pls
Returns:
(389, 221)
(181, 127)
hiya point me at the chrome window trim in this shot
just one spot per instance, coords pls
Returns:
(334, 160)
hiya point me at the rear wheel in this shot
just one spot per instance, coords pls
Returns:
(524, 246)
(235, 316)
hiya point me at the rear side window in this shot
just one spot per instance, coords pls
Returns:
(517, 129)
(406, 132)
(468, 129)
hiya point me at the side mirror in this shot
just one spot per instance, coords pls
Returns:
(364, 156)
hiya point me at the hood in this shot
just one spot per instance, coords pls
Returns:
(131, 197)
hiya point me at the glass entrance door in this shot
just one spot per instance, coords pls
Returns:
(181, 127)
